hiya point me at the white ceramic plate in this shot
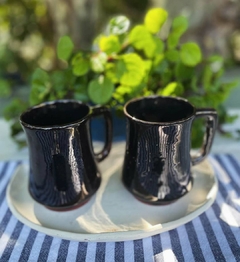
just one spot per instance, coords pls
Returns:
(112, 214)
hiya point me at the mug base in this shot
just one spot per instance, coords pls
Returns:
(69, 208)
(154, 201)
(80, 201)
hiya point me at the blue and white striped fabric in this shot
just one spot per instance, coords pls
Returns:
(213, 236)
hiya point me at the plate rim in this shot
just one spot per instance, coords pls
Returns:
(112, 236)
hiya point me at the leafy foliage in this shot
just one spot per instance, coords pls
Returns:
(65, 48)
(130, 62)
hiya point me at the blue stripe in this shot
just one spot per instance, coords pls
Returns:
(217, 210)
(100, 252)
(43, 255)
(4, 168)
(119, 252)
(82, 251)
(234, 163)
(156, 244)
(28, 245)
(224, 191)
(176, 245)
(63, 250)
(233, 244)
(216, 250)
(5, 221)
(3, 193)
(138, 250)
(233, 183)
(194, 243)
(11, 242)
(237, 168)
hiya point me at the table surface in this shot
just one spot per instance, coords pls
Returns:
(213, 236)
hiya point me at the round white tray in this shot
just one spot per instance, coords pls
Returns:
(112, 214)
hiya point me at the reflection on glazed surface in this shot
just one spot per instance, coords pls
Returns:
(62, 169)
(157, 161)
(157, 164)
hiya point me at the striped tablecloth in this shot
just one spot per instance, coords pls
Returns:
(213, 236)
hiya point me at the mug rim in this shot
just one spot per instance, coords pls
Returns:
(57, 126)
(158, 123)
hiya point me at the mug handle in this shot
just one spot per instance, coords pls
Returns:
(211, 125)
(104, 111)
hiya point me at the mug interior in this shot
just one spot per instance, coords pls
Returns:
(55, 114)
(159, 109)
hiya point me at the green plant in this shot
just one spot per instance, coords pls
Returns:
(128, 62)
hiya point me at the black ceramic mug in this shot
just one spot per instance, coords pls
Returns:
(63, 169)
(157, 164)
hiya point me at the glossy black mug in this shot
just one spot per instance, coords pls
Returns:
(63, 169)
(157, 163)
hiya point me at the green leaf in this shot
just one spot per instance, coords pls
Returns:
(5, 89)
(172, 55)
(172, 89)
(14, 109)
(109, 44)
(98, 62)
(123, 89)
(142, 39)
(158, 59)
(166, 77)
(148, 66)
(131, 69)
(194, 83)
(16, 129)
(190, 54)
(137, 90)
(162, 66)
(197, 101)
(40, 77)
(100, 90)
(38, 93)
(111, 72)
(119, 25)
(80, 64)
(59, 85)
(81, 92)
(179, 25)
(64, 48)
(207, 77)
(154, 19)
(231, 85)
(83, 97)
(172, 40)
(121, 92)
(57, 77)
(159, 45)
(40, 86)
(183, 72)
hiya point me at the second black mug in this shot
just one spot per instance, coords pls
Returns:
(157, 163)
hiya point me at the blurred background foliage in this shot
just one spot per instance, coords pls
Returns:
(30, 30)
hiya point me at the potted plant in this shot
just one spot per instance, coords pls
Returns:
(130, 61)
